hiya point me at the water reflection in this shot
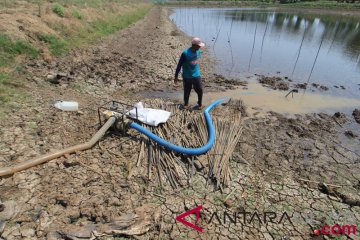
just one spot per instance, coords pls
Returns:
(322, 49)
(342, 31)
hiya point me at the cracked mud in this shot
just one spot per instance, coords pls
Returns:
(279, 164)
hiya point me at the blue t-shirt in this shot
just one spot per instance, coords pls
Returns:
(190, 64)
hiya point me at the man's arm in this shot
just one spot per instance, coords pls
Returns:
(178, 67)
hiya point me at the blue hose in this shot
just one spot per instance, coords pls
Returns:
(188, 151)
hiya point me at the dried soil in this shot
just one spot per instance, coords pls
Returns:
(279, 163)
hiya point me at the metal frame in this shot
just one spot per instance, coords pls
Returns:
(117, 107)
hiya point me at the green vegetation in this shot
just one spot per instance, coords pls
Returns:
(76, 14)
(95, 3)
(32, 125)
(219, 200)
(158, 190)
(69, 38)
(110, 16)
(9, 86)
(10, 49)
(80, 3)
(91, 32)
(113, 24)
(4, 83)
(339, 238)
(56, 45)
(78, 86)
(59, 10)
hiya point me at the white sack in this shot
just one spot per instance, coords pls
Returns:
(149, 116)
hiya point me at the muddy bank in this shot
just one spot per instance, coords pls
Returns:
(279, 83)
(278, 165)
(276, 83)
(356, 114)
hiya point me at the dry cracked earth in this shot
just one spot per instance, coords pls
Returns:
(290, 176)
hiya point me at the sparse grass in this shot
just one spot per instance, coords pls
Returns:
(58, 10)
(219, 200)
(184, 235)
(185, 192)
(32, 125)
(251, 200)
(113, 24)
(10, 88)
(70, 38)
(3, 114)
(158, 190)
(168, 220)
(12, 93)
(110, 21)
(91, 32)
(95, 3)
(56, 45)
(4, 81)
(19, 69)
(107, 26)
(78, 86)
(156, 200)
(80, 3)
(288, 208)
(11, 224)
(9, 49)
(20, 47)
(76, 14)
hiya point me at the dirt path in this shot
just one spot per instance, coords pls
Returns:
(277, 165)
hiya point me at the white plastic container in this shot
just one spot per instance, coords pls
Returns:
(67, 105)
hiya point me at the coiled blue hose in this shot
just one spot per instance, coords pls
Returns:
(188, 151)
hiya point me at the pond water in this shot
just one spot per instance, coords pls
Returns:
(259, 97)
(303, 47)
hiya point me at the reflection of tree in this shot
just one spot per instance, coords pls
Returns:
(341, 31)
(346, 34)
(353, 44)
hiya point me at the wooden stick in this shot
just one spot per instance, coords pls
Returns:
(149, 159)
(140, 154)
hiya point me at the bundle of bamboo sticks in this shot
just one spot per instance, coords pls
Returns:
(189, 129)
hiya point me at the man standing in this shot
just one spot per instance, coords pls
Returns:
(190, 71)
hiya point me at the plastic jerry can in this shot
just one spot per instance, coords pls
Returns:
(67, 105)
